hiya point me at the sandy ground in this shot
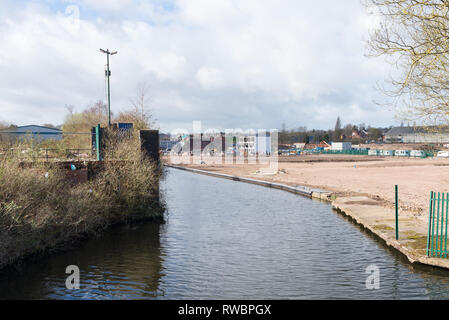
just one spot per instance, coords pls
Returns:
(354, 175)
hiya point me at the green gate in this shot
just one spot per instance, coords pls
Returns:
(438, 218)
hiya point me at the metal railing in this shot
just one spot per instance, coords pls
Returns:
(48, 154)
(438, 221)
(360, 152)
(351, 152)
(345, 152)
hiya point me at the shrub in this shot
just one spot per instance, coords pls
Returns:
(40, 209)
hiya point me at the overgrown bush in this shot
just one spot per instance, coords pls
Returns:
(41, 209)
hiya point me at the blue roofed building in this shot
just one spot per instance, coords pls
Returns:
(34, 132)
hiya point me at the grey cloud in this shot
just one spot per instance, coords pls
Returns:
(228, 63)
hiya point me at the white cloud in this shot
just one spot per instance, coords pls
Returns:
(109, 5)
(228, 63)
(209, 78)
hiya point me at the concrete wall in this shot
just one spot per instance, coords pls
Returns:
(149, 141)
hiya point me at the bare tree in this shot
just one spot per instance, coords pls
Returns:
(70, 108)
(283, 133)
(414, 35)
(82, 122)
(338, 131)
(4, 125)
(140, 113)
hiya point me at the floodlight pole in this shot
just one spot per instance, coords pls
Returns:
(108, 74)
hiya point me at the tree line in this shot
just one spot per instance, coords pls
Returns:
(340, 133)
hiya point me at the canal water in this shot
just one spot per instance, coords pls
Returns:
(230, 240)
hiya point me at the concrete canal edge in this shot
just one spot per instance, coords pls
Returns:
(359, 209)
(304, 191)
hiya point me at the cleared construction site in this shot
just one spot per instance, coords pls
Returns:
(362, 187)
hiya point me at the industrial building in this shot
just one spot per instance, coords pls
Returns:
(167, 145)
(34, 132)
(438, 135)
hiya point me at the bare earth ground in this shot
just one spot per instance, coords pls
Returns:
(364, 189)
(354, 175)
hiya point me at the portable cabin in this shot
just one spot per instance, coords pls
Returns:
(374, 152)
(443, 154)
(402, 153)
(417, 154)
(387, 153)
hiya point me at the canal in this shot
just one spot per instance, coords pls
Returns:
(229, 240)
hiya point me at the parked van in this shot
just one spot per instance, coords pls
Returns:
(402, 153)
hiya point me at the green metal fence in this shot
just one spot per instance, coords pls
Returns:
(46, 154)
(360, 152)
(351, 152)
(438, 218)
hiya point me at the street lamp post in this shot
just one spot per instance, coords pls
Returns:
(108, 74)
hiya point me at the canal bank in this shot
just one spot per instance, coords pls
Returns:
(373, 214)
(228, 240)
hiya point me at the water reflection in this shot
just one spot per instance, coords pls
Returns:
(125, 262)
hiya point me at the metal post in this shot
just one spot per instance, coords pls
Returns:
(438, 224)
(442, 224)
(430, 224)
(97, 141)
(397, 212)
(108, 74)
(445, 240)
(109, 91)
(433, 223)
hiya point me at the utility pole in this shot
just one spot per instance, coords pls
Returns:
(108, 74)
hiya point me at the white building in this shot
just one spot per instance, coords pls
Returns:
(255, 144)
(299, 145)
(264, 144)
(341, 146)
(247, 144)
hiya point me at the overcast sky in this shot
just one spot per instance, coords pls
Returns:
(229, 63)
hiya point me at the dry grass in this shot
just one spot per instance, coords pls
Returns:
(41, 209)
